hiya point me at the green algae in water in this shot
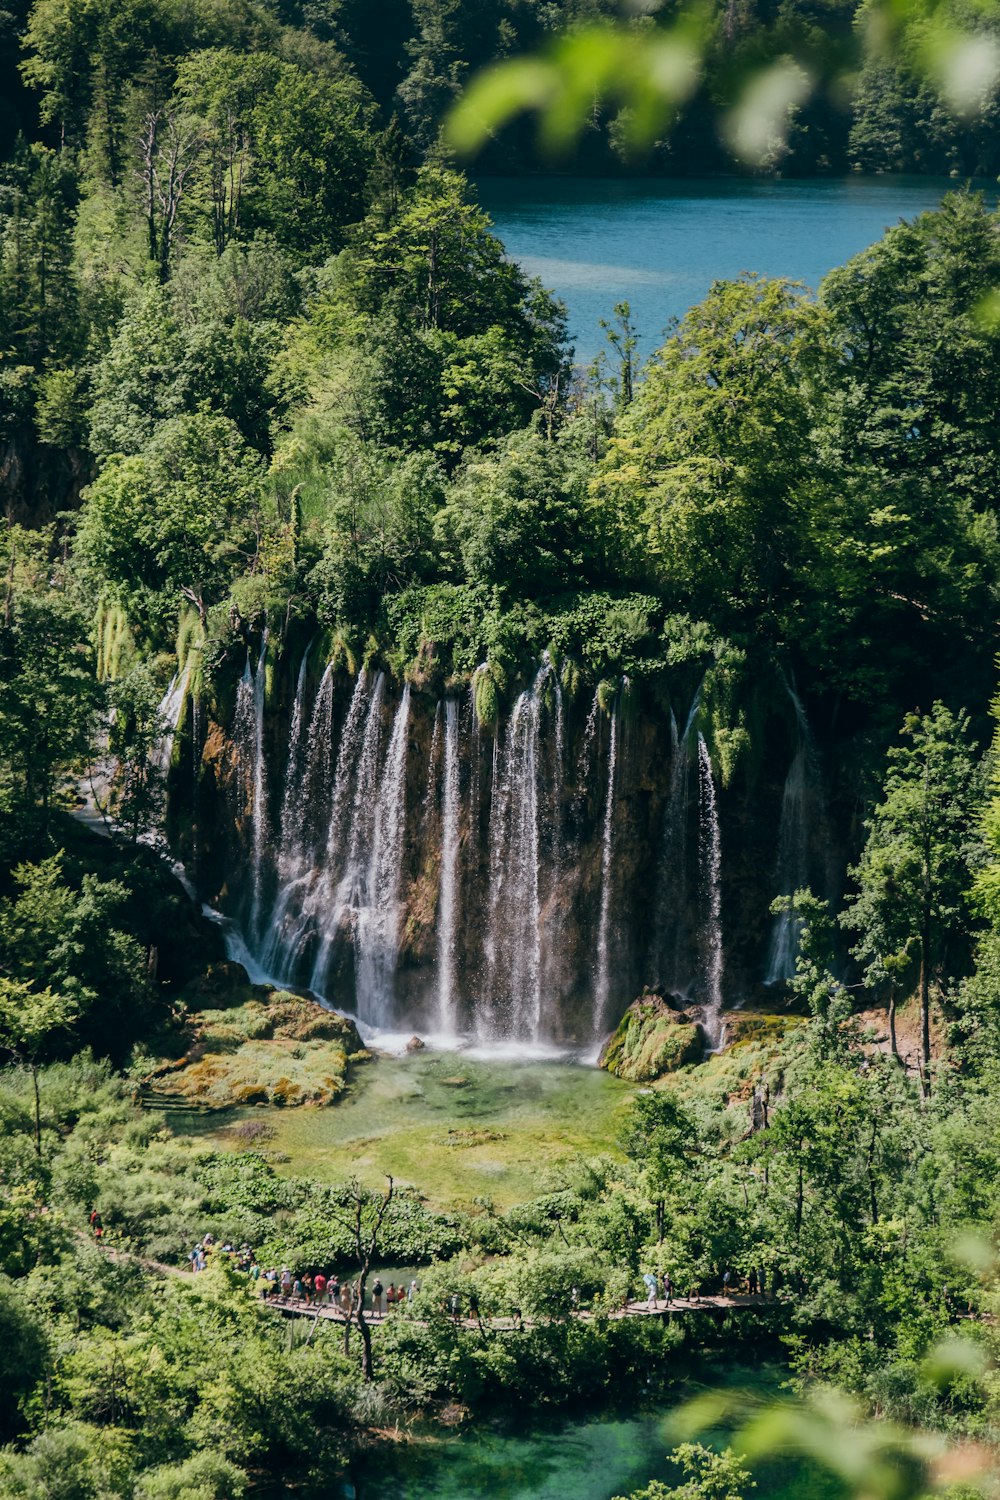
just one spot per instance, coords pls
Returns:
(455, 1127)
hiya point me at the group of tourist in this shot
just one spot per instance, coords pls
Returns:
(732, 1285)
(206, 1249)
(312, 1289)
(319, 1290)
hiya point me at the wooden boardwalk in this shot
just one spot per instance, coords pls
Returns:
(294, 1308)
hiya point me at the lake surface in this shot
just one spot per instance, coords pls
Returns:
(660, 245)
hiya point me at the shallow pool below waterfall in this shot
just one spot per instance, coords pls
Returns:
(455, 1127)
(660, 245)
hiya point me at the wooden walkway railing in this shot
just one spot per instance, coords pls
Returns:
(325, 1312)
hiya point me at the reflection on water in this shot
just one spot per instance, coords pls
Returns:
(660, 245)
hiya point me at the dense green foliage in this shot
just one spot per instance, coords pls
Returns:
(263, 363)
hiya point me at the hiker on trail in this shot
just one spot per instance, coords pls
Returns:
(454, 1305)
(515, 1313)
(668, 1287)
(474, 1305)
(752, 1283)
(727, 1277)
(413, 1290)
(254, 1272)
(650, 1281)
(345, 1298)
(297, 1289)
(392, 1295)
(96, 1224)
(319, 1287)
(286, 1282)
(378, 1298)
(574, 1299)
(333, 1289)
(307, 1289)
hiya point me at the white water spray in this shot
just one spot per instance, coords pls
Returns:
(448, 892)
(602, 978)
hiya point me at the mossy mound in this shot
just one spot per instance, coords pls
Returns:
(271, 1048)
(651, 1039)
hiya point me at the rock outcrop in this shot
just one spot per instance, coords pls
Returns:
(263, 1047)
(653, 1037)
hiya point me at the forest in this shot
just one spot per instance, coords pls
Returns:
(274, 403)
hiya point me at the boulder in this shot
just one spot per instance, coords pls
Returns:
(415, 1044)
(652, 1038)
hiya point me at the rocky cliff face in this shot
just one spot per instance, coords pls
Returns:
(524, 881)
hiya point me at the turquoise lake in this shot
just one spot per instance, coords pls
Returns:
(660, 245)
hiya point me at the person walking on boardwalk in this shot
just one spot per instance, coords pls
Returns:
(727, 1279)
(411, 1295)
(752, 1282)
(319, 1288)
(333, 1289)
(650, 1282)
(378, 1292)
(668, 1288)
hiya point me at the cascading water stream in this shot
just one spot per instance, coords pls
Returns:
(670, 959)
(602, 977)
(513, 939)
(169, 713)
(378, 913)
(800, 799)
(447, 914)
(248, 733)
(293, 808)
(305, 893)
(710, 869)
(341, 893)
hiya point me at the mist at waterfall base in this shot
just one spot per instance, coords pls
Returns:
(480, 888)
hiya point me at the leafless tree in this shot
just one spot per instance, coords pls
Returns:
(363, 1217)
(169, 147)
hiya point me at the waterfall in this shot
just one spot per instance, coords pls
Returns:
(378, 916)
(169, 712)
(448, 890)
(800, 798)
(306, 790)
(602, 978)
(293, 805)
(710, 869)
(340, 893)
(513, 938)
(430, 793)
(248, 734)
(669, 955)
(304, 895)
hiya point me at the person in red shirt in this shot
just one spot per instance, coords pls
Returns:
(319, 1285)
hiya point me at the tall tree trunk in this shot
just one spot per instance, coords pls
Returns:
(892, 1022)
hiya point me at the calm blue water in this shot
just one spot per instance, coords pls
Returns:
(660, 245)
(585, 1460)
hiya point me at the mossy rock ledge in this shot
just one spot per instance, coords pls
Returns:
(652, 1038)
(258, 1045)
